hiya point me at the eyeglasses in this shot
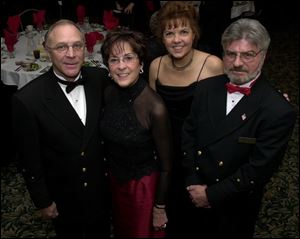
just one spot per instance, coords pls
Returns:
(127, 59)
(64, 48)
(247, 56)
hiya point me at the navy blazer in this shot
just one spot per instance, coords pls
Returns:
(235, 154)
(61, 159)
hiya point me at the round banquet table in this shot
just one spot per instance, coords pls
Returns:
(13, 74)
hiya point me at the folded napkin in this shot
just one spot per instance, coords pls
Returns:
(80, 12)
(109, 20)
(13, 23)
(91, 39)
(10, 39)
(39, 18)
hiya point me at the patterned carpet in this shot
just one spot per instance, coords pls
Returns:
(279, 216)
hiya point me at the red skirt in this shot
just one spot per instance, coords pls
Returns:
(132, 207)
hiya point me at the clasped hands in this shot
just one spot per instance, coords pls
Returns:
(198, 196)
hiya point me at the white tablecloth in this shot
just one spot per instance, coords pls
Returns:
(11, 76)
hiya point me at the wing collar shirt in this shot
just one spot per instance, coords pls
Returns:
(76, 98)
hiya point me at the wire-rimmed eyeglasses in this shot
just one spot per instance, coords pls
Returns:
(247, 56)
(127, 59)
(63, 48)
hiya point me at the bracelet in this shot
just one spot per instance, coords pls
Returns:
(159, 206)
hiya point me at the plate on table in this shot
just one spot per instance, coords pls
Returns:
(88, 63)
(97, 27)
(31, 67)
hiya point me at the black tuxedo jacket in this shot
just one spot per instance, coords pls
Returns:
(62, 159)
(235, 154)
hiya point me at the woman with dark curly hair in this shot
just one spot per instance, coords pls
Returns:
(137, 140)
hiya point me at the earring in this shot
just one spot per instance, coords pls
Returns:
(109, 75)
(141, 70)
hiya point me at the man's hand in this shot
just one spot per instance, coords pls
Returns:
(49, 212)
(198, 195)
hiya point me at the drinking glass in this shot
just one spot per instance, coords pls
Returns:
(36, 54)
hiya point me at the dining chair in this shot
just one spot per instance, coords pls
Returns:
(27, 17)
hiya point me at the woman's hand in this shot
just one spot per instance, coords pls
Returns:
(159, 218)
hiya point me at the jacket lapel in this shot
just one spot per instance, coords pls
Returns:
(222, 125)
(217, 102)
(60, 107)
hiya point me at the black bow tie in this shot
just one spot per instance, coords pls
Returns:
(72, 84)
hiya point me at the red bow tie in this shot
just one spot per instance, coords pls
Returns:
(235, 88)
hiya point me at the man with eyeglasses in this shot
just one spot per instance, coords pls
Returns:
(55, 119)
(235, 136)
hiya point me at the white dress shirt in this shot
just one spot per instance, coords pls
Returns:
(76, 98)
(235, 97)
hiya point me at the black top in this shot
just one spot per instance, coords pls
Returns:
(178, 100)
(136, 132)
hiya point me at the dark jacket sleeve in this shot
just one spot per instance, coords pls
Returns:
(24, 125)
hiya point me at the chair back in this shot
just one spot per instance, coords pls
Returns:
(27, 17)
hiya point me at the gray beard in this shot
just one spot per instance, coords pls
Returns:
(241, 81)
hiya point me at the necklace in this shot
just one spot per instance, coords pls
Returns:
(181, 68)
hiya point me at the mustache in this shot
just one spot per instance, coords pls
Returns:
(238, 69)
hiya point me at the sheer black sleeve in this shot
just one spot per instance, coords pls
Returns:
(152, 114)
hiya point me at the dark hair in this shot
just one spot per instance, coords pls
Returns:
(117, 37)
(174, 13)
